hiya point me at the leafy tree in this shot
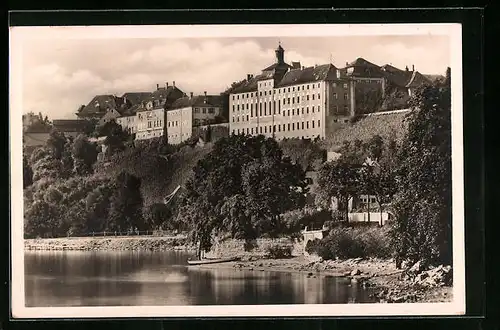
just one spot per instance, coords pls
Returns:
(340, 179)
(85, 155)
(27, 172)
(45, 165)
(67, 160)
(56, 143)
(126, 204)
(422, 230)
(39, 221)
(97, 206)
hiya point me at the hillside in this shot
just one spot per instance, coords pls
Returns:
(390, 125)
(160, 174)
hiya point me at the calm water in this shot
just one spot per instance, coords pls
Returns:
(162, 278)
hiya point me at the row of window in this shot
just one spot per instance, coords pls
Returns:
(283, 90)
(279, 128)
(204, 110)
(269, 113)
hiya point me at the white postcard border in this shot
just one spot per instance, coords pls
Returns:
(18, 35)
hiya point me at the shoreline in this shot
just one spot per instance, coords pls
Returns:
(380, 276)
(108, 243)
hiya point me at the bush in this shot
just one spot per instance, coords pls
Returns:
(345, 243)
(279, 251)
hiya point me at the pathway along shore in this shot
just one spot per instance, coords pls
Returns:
(387, 283)
(122, 243)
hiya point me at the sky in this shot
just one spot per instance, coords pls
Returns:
(60, 74)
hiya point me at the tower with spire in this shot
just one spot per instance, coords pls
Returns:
(280, 54)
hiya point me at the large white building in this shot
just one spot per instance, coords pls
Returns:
(287, 101)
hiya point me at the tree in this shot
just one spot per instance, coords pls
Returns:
(67, 160)
(115, 137)
(422, 230)
(340, 179)
(126, 204)
(56, 143)
(97, 206)
(85, 155)
(40, 217)
(27, 172)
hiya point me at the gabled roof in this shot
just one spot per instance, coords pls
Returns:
(163, 93)
(136, 97)
(363, 68)
(197, 101)
(398, 77)
(100, 104)
(417, 79)
(310, 74)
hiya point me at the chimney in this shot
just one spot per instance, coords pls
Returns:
(157, 86)
(191, 94)
(173, 83)
(249, 76)
(166, 84)
(346, 63)
(303, 67)
(413, 67)
(185, 95)
(205, 92)
(406, 68)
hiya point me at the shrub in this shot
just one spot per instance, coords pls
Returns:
(344, 243)
(279, 251)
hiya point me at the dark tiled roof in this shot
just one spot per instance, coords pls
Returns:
(100, 104)
(434, 77)
(417, 79)
(277, 66)
(250, 85)
(310, 74)
(363, 68)
(136, 97)
(197, 101)
(163, 92)
(397, 77)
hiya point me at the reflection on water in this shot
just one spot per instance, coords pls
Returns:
(74, 278)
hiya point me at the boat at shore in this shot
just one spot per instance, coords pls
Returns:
(211, 261)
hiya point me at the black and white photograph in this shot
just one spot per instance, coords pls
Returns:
(236, 170)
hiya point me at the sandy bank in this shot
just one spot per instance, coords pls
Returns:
(108, 243)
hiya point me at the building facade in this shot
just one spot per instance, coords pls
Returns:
(188, 113)
(291, 101)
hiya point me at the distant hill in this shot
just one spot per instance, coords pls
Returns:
(390, 125)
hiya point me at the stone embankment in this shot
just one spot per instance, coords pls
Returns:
(148, 243)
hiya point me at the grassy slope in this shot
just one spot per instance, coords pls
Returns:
(388, 126)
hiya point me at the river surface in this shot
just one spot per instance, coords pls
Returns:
(77, 278)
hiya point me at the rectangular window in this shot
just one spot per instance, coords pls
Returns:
(204, 110)
(307, 110)
(319, 123)
(312, 109)
(238, 108)
(293, 126)
(307, 124)
(261, 130)
(302, 110)
(302, 125)
(274, 128)
(247, 118)
(335, 95)
(345, 96)
(288, 112)
(247, 130)
(288, 100)
(283, 101)
(312, 122)
(288, 89)
(313, 97)
(345, 86)
(307, 97)
(238, 119)
(288, 127)
(319, 96)
(237, 97)
(279, 128)
(265, 109)
(307, 86)
(293, 112)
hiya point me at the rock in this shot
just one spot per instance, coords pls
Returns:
(355, 272)
(346, 274)
(416, 268)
